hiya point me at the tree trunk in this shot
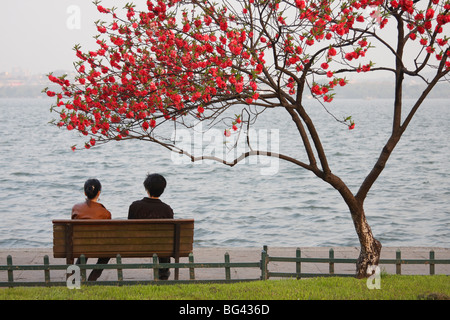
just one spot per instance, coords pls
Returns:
(370, 247)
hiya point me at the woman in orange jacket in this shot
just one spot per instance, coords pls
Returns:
(92, 209)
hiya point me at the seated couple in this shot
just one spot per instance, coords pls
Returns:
(150, 207)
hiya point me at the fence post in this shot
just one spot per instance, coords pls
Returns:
(432, 262)
(298, 264)
(398, 263)
(191, 270)
(264, 261)
(46, 270)
(119, 269)
(227, 268)
(155, 267)
(331, 257)
(10, 270)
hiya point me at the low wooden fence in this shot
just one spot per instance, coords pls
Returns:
(263, 265)
(331, 261)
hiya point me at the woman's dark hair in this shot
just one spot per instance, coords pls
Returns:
(91, 188)
(155, 184)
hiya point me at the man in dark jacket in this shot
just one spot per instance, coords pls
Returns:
(152, 207)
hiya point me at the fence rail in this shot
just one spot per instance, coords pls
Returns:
(262, 265)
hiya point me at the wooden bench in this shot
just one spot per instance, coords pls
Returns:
(129, 238)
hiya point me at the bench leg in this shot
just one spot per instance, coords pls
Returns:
(177, 270)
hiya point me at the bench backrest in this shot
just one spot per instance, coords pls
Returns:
(129, 238)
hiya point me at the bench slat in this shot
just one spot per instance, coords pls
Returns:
(124, 234)
(115, 241)
(148, 248)
(129, 241)
(125, 227)
(123, 221)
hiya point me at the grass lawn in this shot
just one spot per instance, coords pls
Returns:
(393, 287)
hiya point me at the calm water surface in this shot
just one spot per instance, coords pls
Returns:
(41, 178)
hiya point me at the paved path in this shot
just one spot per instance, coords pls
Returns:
(30, 256)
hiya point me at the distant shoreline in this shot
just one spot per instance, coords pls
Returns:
(375, 90)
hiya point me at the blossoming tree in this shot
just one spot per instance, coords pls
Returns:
(176, 61)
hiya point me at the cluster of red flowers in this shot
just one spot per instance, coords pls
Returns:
(153, 73)
(423, 26)
(150, 68)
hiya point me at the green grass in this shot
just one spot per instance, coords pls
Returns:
(393, 287)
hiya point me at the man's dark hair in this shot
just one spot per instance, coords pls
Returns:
(91, 188)
(155, 184)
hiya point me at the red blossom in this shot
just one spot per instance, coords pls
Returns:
(309, 42)
(101, 29)
(103, 10)
(351, 55)
(363, 42)
(429, 14)
(316, 90)
(441, 42)
(332, 52)
(366, 68)
(300, 4)
(259, 68)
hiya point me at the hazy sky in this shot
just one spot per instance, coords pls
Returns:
(39, 35)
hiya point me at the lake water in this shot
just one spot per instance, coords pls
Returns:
(41, 179)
